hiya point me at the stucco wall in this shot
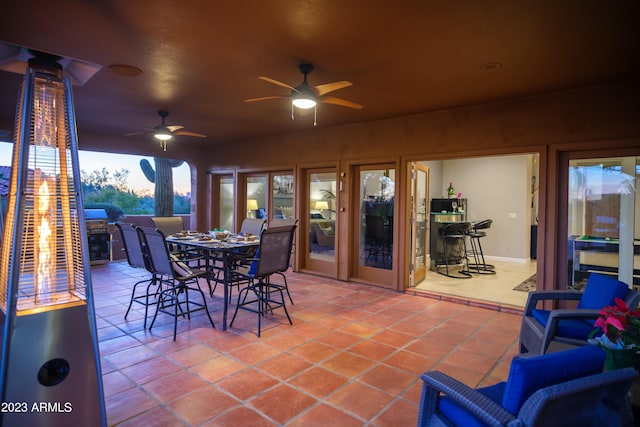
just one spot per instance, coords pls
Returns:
(567, 117)
(595, 117)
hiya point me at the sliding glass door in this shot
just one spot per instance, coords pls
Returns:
(603, 219)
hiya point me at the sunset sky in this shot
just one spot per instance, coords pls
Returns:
(91, 160)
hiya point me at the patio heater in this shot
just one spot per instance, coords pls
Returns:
(50, 366)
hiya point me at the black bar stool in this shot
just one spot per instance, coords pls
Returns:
(476, 233)
(454, 249)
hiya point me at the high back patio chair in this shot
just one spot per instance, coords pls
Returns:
(260, 294)
(253, 226)
(136, 258)
(567, 388)
(168, 224)
(282, 222)
(570, 325)
(181, 280)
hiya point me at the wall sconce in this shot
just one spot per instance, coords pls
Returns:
(252, 207)
(50, 347)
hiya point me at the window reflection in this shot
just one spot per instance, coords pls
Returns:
(602, 211)
(282, 196)
(226, 203)
(322, 208)
(376, 213)
(256, 196)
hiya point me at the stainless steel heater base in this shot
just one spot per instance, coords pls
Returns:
(52, 371)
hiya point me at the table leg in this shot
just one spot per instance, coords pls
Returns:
(226, 277)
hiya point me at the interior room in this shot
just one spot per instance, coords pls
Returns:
(357, 123)
(503, 189)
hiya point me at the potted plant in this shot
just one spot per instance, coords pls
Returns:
(620, 339)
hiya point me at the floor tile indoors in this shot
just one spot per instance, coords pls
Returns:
(490, 289)
(352, 357)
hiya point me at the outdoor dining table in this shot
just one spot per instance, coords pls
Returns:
(211, 247)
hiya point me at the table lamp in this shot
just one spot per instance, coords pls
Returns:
(322, 205)
(252, 207)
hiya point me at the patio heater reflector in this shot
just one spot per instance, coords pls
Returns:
(50, 363)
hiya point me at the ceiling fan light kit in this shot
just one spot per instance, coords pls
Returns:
(303, 100)
(306, 96)
(165, 133)
(162, 132)
(164, 136)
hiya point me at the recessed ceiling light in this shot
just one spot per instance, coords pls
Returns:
(492, 66)
(125, 70)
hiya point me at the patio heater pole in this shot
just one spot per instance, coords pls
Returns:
(50, 364)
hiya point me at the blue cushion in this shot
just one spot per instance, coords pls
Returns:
(526, 376)
(253, 268)
(570, 328)
(529, 374)
(601, 290)
(461, 417)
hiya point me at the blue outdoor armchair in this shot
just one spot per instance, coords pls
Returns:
(566, 388)
(570, 325)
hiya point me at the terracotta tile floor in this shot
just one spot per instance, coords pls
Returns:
(352, 357)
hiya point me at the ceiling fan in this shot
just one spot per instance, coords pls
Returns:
(164, 132)
(306, 96)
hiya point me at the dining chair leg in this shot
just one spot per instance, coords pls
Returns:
(155, 315)
(133, 294)
(175, 314)
(286, 286)
(235, 312)
(261, 306)
(151, 282)
(158, 284)
(206, 309)
(204, 301)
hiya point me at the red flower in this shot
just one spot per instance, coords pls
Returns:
(620, 323)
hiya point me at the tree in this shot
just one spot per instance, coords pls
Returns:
(162, 177)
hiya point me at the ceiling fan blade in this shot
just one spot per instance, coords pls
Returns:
(264, 98)
(330, 87)
(174, 128)
(187, 133)
(277, 83)
(339, 101)
(137, 133)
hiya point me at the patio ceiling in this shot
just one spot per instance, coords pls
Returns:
(201, 59)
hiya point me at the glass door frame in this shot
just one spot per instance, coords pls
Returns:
(215, 202)
(241, 192)
(416, 275)
(307, 263)
(362, 273)
(563, 157)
